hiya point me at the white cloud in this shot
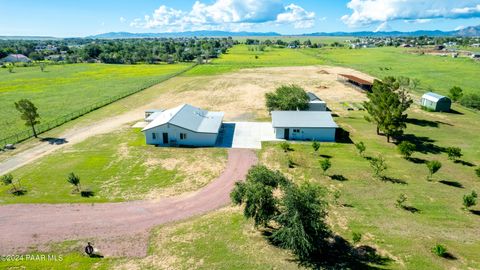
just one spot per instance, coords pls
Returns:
(368, 12)
(234, 15)
(123, 20)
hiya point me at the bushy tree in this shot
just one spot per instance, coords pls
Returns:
(287, 98)
(406, 149)
(356, 237)
(439, 250)
(454, 153)
(325, 164)
(28, 113)
(360, 148)
(257, 194)
(387, 105)
(455, 93)
(285, 146)
(302, 221)
(471, 101)
(8, 180)
(315, 146)
(433, 167)
(470, 200)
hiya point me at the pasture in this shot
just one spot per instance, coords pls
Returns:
(64, 89)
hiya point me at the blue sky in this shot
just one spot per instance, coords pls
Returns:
(88, 17)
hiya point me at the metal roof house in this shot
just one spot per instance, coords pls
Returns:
(436, 102)
(304, 125)
(315, 103)
(184, 125)
(15, 58)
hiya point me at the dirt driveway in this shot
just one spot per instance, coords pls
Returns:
(25, 225)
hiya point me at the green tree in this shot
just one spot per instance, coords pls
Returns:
(387, 104)
(302, 221)
(470, 200)
(42, 66)
(455, 93)
(28, 113)
(257, 194)
(439, 250)
(325, 164)
(433, 167)
(287, 98)
(401, 200)
(8, 180)
(315, 146)
(74, 180)
(379, 166)
(477, 172)
(454, 153)
(11, 68)
(360, 148)
(356, 237)
(406, 149)
(471, 101)
(285, 146)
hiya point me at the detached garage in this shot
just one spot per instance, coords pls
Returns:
(184, 125)
(436, 102)
(304, 125)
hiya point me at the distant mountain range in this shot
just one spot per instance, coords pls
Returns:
(473, 31)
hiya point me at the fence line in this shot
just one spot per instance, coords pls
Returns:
(41, 128)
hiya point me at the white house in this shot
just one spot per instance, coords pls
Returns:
(315, 103)
(304, 125)
(184, 125)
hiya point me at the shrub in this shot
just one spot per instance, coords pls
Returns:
(454, 153)
(400, 203)
(74, 180)
(477, 172)
(356, 237)
(455, 93)
(290, 162)
(433, 167)
(470, 200)
(285, 146)
(360, 148)
(315, 146)
(325, 164)
(439, 250)
(406, 149)
(379, 166)
(471, 101)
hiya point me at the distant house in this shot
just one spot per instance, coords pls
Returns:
(315, 103)
(436, 102)
(184, 125)
(304, 125)
(475, 56)
(16, 58)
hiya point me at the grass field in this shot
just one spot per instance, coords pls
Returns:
(118, 167)
(434, 72)
(63, 89)
(405, 237)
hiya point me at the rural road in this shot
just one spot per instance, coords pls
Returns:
(26, 225)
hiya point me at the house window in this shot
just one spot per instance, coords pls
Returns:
(183, 136)
(154, 136)
(296, 131)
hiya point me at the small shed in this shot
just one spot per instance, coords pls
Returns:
(436, 102)
(361, 83)
(315, 103)
(304, 126)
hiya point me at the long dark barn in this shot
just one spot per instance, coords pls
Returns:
(361, 83)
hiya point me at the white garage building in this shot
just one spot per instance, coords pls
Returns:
(184, 125)
(304, 125)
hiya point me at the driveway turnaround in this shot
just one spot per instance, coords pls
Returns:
(26, 225)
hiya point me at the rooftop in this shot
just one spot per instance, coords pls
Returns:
(356, 79)
(302, 119)
(189, 117)
(433, 96)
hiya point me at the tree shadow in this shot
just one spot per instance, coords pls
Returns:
(338, 177)
(87, 193)
(411, 209)
(326, 156)
(475, 212)
(417, 160)
(449, 256)
(422, 122)
(423, 144)
(465, 163)
(19, 192)
(97, 256)
(451, 183)
(393, 180)
(338, 253)
(54, 141)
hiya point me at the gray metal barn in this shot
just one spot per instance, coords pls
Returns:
(436, 102)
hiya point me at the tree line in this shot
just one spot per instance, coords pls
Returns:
(119, 51)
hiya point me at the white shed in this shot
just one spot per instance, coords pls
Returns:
(315, 103)
(304, 125)
(184, 125)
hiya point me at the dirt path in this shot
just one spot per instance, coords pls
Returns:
(25, 225)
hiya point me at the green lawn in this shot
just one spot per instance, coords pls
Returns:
(434, 72)
(118, 167)
(405, 237)
(240, 57)
(64, 89)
